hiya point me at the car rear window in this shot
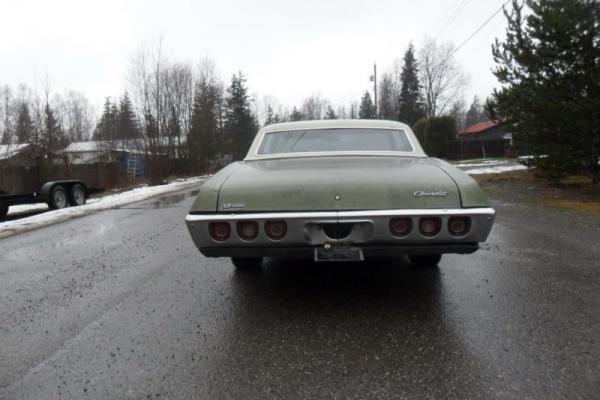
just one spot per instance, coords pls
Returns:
(334, 140)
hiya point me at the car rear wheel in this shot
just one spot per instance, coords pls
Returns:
(77, 195)
(247, 263)
(425, 260)
(58, 198)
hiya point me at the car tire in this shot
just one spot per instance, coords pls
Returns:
(77, 195)
(247, 263)
(58, 198)
(425, 260)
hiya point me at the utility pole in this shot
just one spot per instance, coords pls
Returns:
(374, 80)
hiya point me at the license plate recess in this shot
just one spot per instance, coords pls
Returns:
(339, 253)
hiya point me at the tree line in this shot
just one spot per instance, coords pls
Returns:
(547, 66)
(50, 121)
(187, 111)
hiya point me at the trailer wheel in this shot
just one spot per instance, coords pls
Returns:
(3, 208)
(58, 198)
(77, 195)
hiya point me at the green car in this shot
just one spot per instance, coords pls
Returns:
(338, 190)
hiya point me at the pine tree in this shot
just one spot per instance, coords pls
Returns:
(240, 122)
(201, 139)
(114, 131)
(271, 117)
(24, 128)
(107, 126)
(330, 114)
(475, 113)
(296, 115)
(367, 108)
(550, 75)
(410, 104)
(127, 126)
(53, 135)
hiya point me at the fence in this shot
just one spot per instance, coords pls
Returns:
(461, 149)
(23, 179)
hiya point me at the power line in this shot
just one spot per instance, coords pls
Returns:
(442, 24)
(460, 7)
(481, 27)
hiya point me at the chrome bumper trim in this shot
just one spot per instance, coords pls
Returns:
(371, 228)
(339, 214)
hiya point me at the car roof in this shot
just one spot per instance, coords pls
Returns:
(334, 123)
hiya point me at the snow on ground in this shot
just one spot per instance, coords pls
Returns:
(479, 163)
(495, 166)
(29, 208)
(95, 204)
(495, 170)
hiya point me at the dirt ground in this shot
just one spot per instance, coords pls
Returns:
(573, 192)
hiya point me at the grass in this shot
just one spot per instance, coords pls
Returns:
(573, 192)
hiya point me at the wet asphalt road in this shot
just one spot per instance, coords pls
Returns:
(120, 305)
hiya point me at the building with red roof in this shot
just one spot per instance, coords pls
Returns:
(478, 127)
(483, 139)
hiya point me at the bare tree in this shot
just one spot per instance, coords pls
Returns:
(457, 111)
(75, 114)
(268, 110)
(6, 115)
(441, 76)
(388, 97)
(314, 107)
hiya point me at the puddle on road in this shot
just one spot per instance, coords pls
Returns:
(167, 201)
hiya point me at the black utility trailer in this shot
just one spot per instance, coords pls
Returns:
(58, 194)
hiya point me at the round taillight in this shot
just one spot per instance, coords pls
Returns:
(459, 226)
(247, 230)
(430, 226)
(400, 226)
(276, 230)
(219, 231)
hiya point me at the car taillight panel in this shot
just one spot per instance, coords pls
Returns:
(459, 226)
(276, 230)
(430, 226)
(247, 230)
(400, 227)
(219, 231)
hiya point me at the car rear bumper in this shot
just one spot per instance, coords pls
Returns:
(370, 231)
(368, 251)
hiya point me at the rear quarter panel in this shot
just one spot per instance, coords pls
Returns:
(470, 193)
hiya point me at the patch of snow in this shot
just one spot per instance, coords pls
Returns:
(8, 228)
(27, 208)
(495, 170)
(480, 164)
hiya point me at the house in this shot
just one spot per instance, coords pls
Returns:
(23, 154)
(130, 153)
(483, 139)
(486, 130)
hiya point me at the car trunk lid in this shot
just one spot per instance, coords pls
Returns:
(338, 183)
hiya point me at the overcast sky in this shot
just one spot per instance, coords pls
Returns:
(287, 49)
